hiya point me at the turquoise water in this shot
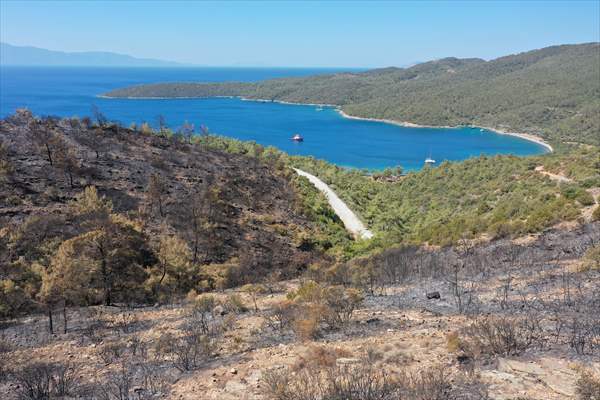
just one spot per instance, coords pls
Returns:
(328, 135)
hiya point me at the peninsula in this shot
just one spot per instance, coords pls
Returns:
(551, 93)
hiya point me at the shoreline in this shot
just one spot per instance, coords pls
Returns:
(289, 102)
(525, 136)
(102, 96)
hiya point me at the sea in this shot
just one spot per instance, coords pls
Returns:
(74, 91)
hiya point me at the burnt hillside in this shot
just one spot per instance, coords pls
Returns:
(228, 208)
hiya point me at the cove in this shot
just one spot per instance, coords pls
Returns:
(327, 134)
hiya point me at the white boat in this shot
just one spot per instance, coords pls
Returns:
(319, 108)
(429, 160)
(297, 138)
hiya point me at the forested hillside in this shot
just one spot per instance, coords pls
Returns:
(552, 92)
(494, 197)
(486, 196)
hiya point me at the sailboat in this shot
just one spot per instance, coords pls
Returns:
(429, 160)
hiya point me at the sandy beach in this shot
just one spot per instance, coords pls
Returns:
(526, 136)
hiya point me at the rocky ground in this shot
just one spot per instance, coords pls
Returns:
(398, 326)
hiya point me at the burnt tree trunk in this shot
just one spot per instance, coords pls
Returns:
(49, 153)
(50, 325)
(64, 311)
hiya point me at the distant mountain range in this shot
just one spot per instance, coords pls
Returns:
(30, 56)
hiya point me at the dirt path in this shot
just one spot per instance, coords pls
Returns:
(589, 211)
(350, 220)
(554, 177)
(595, 192)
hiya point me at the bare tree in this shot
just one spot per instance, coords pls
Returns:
(100, 118)
(6, 165)
(43, 137)
(94, 139)
(157, 191)
(162, 123)
(66, 158)
(187, 131)
(204, 130)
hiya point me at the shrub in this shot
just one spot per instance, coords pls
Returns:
(306, 324)
(332, 382)
(201, 314)
(235, 304)
(308, 292)
(312, 304)
(332, 305)
(585, 198)
(584, 334)
(430, 384)
(119, 383)
(6, 164)
(5, 348)
(254, 290)
(588, 386)
(591, 259)
(500, 336)
(146, 129)
(436, 381)
(196, 344)
(339, 274)
(366, 381)
(573, 192)
(452, 342)
(281, 316)
(321, 356)
(596, 214)
(340, 305)
(95, 325)
(41, 381)
(187, 352)
(112, 351)
(13, 299)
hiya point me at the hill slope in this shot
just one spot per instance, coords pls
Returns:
(553, 92)
(227, 213)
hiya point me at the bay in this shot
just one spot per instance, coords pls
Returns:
(72, 91)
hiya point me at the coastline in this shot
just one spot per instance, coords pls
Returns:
(288, 102)
(525, 136)
(103, 96)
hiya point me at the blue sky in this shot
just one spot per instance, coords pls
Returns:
(327, 34)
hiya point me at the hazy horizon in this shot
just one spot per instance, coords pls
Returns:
(299, 34)
(176, 64)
